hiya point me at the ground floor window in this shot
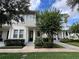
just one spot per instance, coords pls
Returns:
(21, 32)
(15, 35)
(18, 33)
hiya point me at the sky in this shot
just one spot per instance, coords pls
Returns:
(58, 4)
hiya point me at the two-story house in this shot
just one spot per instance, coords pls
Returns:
(22, 30)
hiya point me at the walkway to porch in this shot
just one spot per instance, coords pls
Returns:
(2, 44)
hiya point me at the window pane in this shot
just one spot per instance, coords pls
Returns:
(21, 33)
(15, 35)
(15, 31)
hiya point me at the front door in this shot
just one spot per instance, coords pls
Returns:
(0, 35)
(30, 35)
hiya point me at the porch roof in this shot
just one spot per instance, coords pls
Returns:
(4, 27)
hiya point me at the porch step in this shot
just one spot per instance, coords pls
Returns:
(2, 44)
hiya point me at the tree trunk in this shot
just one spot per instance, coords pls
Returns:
(50, 36)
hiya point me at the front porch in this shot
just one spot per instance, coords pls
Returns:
(4, 31)
(31, 35)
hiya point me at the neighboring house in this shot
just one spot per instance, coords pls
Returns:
(66, 33)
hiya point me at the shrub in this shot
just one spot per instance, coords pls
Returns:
(69, 40)
(14, 42)
(38, 43)
(48, 45)
(65, 40)
(45, 39)
(43, 43)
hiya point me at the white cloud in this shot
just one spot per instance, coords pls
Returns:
(64, 8)
(34, 4)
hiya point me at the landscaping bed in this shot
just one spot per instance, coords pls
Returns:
(40, 55)
(45, 43)
(12, 47)
(53, 46)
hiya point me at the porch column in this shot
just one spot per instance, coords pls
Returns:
(68, 35)
(62, 35)
(34, 35)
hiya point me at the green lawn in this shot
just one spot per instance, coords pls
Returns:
(73, 43)
(41, 55)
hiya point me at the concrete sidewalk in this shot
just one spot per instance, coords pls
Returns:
(30, 48)
(67, 46)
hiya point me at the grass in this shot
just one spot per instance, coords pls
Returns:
(57, 46)
(73, 43)
(41, 55)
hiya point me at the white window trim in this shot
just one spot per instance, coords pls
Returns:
(18, 34)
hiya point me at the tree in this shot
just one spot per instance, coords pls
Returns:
(75, 28)
(72, 3)
(65, 19)
(11, 10)
(49, 22)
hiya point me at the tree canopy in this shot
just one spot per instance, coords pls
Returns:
(72, 3)
(65, 16)
(11, 9)
(75, 28)
(49, 22)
